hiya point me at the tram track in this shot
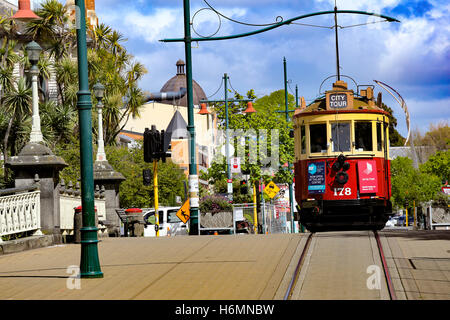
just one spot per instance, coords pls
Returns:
(308, 251)
(387, 275)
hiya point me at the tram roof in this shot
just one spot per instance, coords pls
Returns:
(347, 101)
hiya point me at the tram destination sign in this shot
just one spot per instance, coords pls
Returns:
(338, 101)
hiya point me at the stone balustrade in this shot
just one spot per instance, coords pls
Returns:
(20, 210)
(70, 198)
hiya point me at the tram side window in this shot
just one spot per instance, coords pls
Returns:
(379, 141)
(340, 135)
(363, 136)
(318, 137)
(303, 138)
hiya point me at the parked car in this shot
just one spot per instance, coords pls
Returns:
(169, 223)
(392, 222)
(401, 221)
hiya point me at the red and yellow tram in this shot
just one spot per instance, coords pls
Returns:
(342, 168)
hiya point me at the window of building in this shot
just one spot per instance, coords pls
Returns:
(318, 137)
(340, 135)
(303, 138)
(363, 136)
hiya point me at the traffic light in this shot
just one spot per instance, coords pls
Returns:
(244, 187)
(147, 177)
(148, 152)
(154, 145)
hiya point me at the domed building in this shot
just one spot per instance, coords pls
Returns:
(169, 107)
(179, 81)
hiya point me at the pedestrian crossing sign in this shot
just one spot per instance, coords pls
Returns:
(271, 190)
(184, 213)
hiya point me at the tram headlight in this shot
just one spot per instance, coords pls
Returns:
(336, 166)
(342, 177)
(346, 166)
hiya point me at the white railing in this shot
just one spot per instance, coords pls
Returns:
(20, 213)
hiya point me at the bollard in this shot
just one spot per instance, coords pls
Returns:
(135, 221)
(78, 223)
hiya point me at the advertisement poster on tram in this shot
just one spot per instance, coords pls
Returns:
(316, 177)
(368, 180)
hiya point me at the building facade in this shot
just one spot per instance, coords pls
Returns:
(160, 112)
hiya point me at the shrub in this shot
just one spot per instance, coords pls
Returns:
(215, 204)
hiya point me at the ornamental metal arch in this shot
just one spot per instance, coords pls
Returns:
(282, 23)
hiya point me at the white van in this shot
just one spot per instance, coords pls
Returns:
(169, 223)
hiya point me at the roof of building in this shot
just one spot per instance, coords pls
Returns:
(423, 152)
(132, 135)
(6, 7)
(179, 81)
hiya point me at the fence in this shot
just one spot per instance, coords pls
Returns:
(275, 220)
(439, 217)
(272, 217)
(20, 212)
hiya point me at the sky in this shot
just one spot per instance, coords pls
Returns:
(412, 56)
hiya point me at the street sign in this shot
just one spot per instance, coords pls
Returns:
(230, 187)
(184, 213)
(235, 165)
(446, 190)
(271, 190)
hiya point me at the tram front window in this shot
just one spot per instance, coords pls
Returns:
(363, 136)
(379, 141)
(340, 135)
(318, 137)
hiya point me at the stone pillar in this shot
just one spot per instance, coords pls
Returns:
(36, 158)
(105, 175)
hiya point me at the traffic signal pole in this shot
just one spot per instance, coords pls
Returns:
(155, 189)
(255, 213)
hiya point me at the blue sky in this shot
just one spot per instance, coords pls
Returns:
(412, 56)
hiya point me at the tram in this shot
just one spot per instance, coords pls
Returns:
(342, 167)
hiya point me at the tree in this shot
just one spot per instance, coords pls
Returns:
(130, 162)
(409, 184)
(438, 165)
(266, 119)
(17, 102)
(438, 136)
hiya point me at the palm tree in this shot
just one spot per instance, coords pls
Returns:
(52, 28)
(101, 35)
(17, 102)
(114, 39)
(58, 121)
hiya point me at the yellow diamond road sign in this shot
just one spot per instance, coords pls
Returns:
(271, 189)
(184, 213)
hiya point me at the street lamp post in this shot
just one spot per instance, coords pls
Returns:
(89, 264)
(193, 177)
(227, 129)
(286, 110)
(34, 51)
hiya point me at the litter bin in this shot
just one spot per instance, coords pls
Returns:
(135, 222)
(78, 223)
